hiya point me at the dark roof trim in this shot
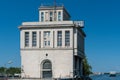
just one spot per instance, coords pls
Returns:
(80, 29)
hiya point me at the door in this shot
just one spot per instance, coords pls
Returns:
(46, 69)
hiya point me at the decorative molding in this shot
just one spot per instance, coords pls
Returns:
(46, 49)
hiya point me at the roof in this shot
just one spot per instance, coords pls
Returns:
(54, 24)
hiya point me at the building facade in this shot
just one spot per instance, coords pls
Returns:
(53, 47)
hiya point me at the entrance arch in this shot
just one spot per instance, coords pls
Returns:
(46, 69)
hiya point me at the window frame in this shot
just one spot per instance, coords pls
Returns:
(46, 38)
(34, 39)
(51, 16)
(67, 38)
(59, 38)
(27, 39)
(42, 16)
(59, 16)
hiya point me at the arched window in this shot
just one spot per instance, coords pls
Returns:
(47, 65)
(46, 69)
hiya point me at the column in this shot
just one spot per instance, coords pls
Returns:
(42, 42)
(51, 38)
(71, 38)
(63, 38)
(30, 39)
(22, 39)
(55, 38)
(38, 37)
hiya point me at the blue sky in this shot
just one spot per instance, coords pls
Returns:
(102, 27)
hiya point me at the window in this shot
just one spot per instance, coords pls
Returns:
(51, 16)
(34, 39)
(49, 43)
(42, 16)
(46, 34)
(47, 69)
(46, 38)
(59, 38)
(47, 65)
(45, 43)
(26, 39)
(67, 38)
(59, 16)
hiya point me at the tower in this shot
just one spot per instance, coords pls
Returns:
(53, 47)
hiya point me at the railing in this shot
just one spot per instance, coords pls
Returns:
(47, 23)
(51, 4)
(77, 23)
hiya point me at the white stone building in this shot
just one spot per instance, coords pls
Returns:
(53, 47)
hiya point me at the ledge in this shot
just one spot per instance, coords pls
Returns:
(52, 24)
(47, 23)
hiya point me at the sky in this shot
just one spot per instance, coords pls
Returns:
(102, 27)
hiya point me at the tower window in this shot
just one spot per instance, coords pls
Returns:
(42, 16)
(67, 38)
(59, 38)
(51, 16)
(26, 39)
(59, 16)
(34, 39)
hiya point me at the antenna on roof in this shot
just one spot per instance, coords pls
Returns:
(54, 10)
(54, 3)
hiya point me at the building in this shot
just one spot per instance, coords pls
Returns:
(53, 47)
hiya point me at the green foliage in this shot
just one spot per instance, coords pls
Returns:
(11, 70)
(2, 69)
(87, 69)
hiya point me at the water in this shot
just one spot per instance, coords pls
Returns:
(105, 77)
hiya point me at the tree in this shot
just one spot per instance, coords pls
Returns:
(13, 70)
(10, 71)
(87, 69)
(2, 70)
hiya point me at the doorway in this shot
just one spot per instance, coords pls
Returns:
(46, 69)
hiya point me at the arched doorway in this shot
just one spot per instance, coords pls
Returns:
(46, 69)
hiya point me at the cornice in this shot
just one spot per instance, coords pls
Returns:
(46, 49)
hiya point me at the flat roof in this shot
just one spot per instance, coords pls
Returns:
(53, 24)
